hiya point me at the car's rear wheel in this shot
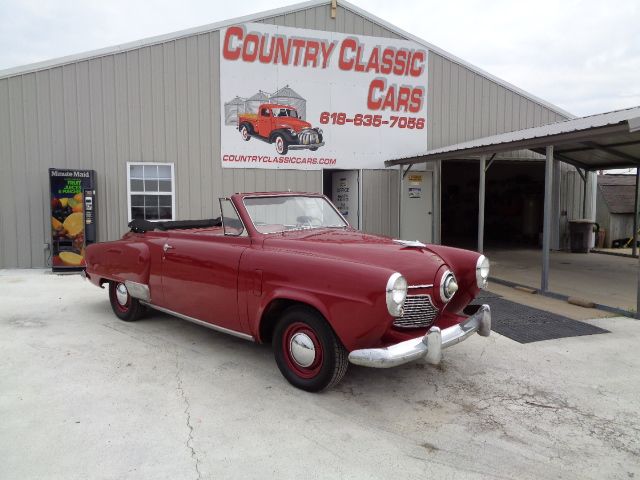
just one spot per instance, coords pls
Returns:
(246, 134)
(123, 304)
(281, 144)
(307, 351)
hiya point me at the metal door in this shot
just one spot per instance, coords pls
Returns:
(416, 206)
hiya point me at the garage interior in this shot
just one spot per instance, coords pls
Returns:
(513, 204)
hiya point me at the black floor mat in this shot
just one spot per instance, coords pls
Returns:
(527, 324)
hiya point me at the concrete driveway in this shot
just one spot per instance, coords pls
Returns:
(84, 395)
(605, 279)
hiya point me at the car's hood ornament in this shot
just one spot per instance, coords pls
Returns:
(410, 243)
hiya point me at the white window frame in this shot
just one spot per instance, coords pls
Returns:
(172, 192)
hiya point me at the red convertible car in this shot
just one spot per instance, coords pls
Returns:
(287, 268)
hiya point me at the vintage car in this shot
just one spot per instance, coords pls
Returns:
(279, 124)
(287, 268)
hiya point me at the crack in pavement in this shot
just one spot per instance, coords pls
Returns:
(187, 412)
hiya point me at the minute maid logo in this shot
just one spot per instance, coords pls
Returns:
(69, 173)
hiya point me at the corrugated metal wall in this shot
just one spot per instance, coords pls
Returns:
(161, 103)
(380, 200)
(463, 105)
(153, 104)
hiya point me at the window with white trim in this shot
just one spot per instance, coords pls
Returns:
(151, 191)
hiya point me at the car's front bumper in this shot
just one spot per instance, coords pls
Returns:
(428, 347)
(299, 146)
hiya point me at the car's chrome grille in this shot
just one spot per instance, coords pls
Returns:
(419, 312)
(308, 137)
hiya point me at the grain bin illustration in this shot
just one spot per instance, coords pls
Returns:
(285, 96)
(288, 96)
(234, 108)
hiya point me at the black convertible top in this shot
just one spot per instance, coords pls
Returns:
(140, 226)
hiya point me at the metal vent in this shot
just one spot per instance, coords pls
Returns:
(419, 312)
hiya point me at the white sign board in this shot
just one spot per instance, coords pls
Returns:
(307, 99)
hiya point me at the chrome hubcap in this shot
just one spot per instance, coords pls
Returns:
(279, 145)
(122, 294)
(302, 350)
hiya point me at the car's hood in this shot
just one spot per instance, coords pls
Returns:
(417, 264)
(290, 122)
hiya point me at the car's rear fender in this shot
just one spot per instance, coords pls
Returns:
(120, 260)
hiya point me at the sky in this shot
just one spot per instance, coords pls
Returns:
(581, 55)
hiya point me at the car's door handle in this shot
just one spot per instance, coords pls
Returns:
(167, 247)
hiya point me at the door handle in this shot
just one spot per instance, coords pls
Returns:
(166, 247)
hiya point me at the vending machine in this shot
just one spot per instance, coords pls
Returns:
(73, 216)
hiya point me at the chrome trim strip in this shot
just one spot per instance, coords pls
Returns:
(202, 323)
(429, 285)
(138, 290)
(428, 347)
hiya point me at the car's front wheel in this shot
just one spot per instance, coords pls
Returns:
(244, 131)
(282, 147)
(123, 304)
(307, 351)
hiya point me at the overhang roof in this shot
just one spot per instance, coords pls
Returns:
(596, 142)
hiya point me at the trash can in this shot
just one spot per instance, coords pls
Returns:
(580, 235)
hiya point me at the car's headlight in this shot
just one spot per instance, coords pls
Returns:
(482, 271)
(448, 286)
(396, 294)
(292, 131)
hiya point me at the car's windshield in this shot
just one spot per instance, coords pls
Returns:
(291, 212)
(287, 112)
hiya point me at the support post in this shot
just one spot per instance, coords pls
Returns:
(635, 241)
(634, 248)
(584, 193)
(546, 225)
(481, 194)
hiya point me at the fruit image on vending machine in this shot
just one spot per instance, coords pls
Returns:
(73, 220)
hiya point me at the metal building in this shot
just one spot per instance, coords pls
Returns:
(157, 101)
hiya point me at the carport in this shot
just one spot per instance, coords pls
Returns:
(597, 142)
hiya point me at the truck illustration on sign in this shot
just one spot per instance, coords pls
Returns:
(281, 125)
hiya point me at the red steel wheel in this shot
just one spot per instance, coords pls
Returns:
(307, 351)
(124, 305)
(282, 147)
(302, 350)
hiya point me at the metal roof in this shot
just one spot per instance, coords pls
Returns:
(260, 96)
(288, 92)
(618, 192)
(236, 101)
(124, 47)
(595, 142)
